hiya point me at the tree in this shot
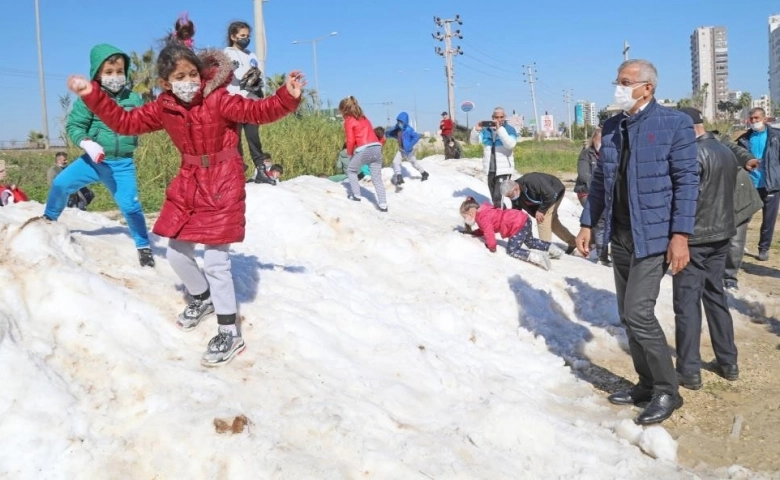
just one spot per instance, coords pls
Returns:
(35, 139)
(65, 103)
(525, 132)
(603, 115)
(699, 98)
(275, 81)
(685, 103)
(142, 74)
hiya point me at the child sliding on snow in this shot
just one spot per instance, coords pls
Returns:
(511, 224)
(205, 202)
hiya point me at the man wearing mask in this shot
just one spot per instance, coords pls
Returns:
(763, 142)
(646, 184)
(498, 139)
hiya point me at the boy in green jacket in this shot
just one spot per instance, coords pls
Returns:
(109, 156)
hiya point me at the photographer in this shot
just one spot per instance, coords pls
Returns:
(247, 82)
(498, 162)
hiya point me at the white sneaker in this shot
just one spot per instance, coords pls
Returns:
(196, 311)
(555, 251)
(539, 258)
(222, 348)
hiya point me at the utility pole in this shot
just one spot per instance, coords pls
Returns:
(567, 100)
(260, 43)
(626, 48)
(529, 73)
(44, 115)
(447, 53)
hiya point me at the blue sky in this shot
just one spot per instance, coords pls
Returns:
(576, 46)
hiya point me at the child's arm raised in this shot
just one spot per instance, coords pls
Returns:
(124, 122)
(265, 110)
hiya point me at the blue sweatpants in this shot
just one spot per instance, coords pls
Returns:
(117, 175)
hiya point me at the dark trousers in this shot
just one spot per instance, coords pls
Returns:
(252, 133)
(637, 284)
(736, 252)
(768, 217)
(514, 246)
(602, 247)
(494, 185)
(701, 283)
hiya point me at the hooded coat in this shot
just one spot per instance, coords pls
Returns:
(205, 202)
(83, 124)
(406, 135)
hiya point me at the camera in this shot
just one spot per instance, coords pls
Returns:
(487, 124)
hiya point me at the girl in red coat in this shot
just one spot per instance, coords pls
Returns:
(205, 202)
(511, 224)
(365, 149)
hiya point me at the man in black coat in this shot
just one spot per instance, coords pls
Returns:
(540, 194)
(701, 281)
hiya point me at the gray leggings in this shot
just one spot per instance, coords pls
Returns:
(217, 278)
(401, 156)
(373, 157)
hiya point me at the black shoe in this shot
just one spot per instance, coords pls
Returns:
(691, 382)
(661, 407)
(763, 255)
(731, 285)
(399, 179)
(424, 176)
(730, 372)
(637, 394)
(383, 209)
(145, 257)
(570, 250)
(352, 197)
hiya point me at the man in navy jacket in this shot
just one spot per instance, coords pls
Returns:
(646, 184)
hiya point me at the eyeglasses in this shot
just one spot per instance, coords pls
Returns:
(627, 83)
(499, 117)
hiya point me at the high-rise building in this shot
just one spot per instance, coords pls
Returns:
(710, 67)
(774, 58)
(585, 113)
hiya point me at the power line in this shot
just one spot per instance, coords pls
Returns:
(479, 50)
(491, 66)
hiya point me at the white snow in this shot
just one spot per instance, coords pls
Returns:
(379, 346)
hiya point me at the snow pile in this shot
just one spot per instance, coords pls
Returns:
(378, 345)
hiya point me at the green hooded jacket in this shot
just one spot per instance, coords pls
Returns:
(82, 123)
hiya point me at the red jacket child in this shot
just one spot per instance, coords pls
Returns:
(491, 220)
(358, 133)
(205, 202)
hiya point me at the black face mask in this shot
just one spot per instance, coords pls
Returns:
(242, 42)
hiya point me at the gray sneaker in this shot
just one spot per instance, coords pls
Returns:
(222, 348)
(555, 251)
(540, 259)
(196, 311)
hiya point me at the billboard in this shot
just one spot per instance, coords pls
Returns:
(579, 114)
(548, 124)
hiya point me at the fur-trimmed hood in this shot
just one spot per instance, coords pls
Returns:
(217, 70)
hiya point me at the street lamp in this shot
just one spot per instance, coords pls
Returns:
(415, 76)
(314, 52)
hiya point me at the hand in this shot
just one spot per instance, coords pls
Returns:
(677, 255)
(478, 127)
(582, 242)
(295, 83)
(539, 217)
(492, 250)
(94, 150)
(752, 164)
(79, 85)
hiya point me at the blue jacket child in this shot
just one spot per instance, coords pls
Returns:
(407, 138)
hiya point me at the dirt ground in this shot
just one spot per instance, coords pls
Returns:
(707, 427)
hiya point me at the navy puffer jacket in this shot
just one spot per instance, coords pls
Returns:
(663, 177)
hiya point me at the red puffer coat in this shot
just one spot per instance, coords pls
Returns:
(205, 202)
(491, 220)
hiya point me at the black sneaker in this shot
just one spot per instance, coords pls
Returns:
(399, 179)
(763, 255)
(145, 257)
(424, 176)
(353, 198)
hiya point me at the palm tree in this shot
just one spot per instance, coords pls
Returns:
(275, 81)
(142, 74)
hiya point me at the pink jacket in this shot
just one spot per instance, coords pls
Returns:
(491, 220)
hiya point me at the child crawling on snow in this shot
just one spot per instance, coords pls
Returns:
(511, 224)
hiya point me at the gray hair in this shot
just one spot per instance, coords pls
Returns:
(758, 109)
(499, 108)
(507, 187)
(647, 71)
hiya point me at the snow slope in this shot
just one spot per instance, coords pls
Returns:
(379, 346)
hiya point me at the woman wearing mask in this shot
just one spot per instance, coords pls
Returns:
(247, 82)
(586, 164)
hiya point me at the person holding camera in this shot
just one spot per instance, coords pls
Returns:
(498, 139)
(247, 82)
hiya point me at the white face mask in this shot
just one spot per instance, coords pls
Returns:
(113, 83)
(623, 98)
(757, 127)
(471, 221)
(596, 146)
(185, 90)
(515, 197)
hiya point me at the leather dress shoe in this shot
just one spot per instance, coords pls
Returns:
(660, 408)
(691, 382)
(636, 394)
(730, 372)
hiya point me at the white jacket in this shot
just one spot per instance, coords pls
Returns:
(506, 139)
(242, 61)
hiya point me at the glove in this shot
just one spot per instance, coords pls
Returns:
(492, 250)
(94, 150)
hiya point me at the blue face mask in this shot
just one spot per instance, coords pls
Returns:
(400, 124)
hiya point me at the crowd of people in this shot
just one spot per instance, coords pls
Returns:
(658, 192)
